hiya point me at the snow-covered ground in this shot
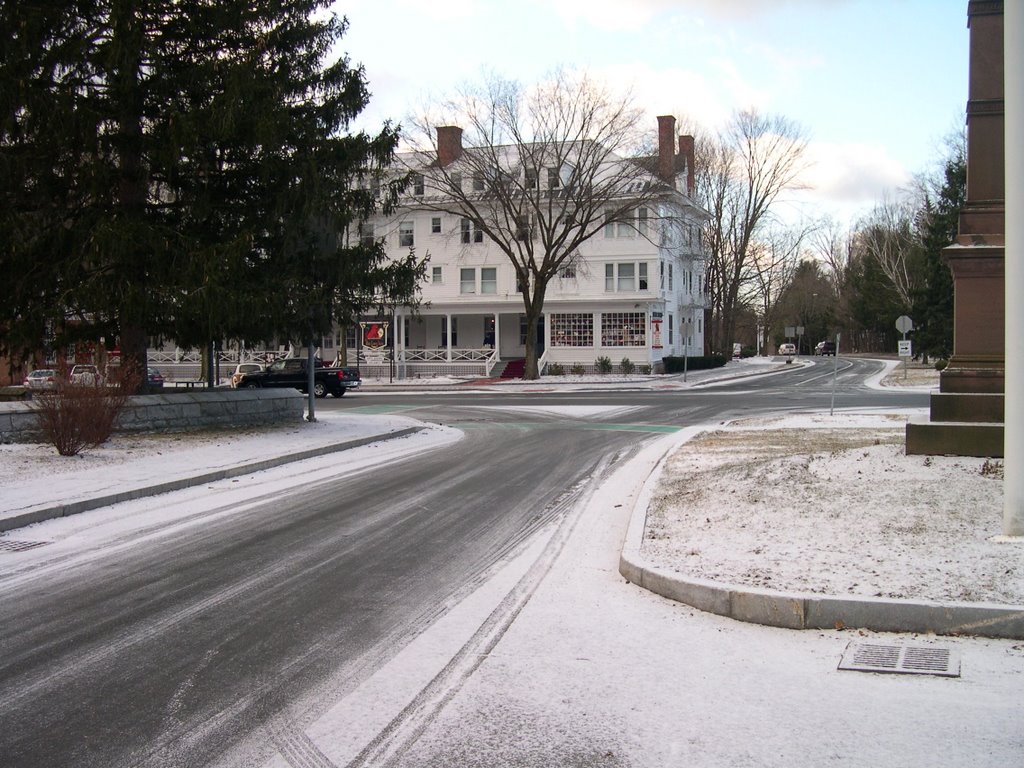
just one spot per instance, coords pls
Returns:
(804, 503)
(833, 505)
(595, 671)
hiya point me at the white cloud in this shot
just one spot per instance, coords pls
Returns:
(609, 14)
(847, 179)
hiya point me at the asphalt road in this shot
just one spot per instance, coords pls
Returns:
(173, 648)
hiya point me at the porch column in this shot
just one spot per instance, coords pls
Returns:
(497, 334)
(448, 337)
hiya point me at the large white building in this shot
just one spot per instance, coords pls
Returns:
(634, 290)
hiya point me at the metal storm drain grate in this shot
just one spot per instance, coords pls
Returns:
(901, 659)
(13, 545)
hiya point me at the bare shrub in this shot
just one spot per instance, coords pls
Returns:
(79, 415)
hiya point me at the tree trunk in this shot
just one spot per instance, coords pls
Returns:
(533, 306)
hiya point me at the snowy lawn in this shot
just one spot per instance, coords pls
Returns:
(832, 504)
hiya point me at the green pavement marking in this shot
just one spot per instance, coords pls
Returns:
(634, 427)
(377, 409)
(660, 428)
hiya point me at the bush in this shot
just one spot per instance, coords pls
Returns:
(577, 369)
(645, 369)
(603, 364)
(555, 369)
(940, 365)
(74, 416)
(627, 366)
(699, 363)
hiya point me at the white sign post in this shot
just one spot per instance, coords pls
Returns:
(903, 325)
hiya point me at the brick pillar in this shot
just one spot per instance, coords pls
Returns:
(976, 258)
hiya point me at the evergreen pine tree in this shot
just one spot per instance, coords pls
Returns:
(184, 169)
(933, 311)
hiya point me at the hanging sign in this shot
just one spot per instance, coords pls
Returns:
(375, 335)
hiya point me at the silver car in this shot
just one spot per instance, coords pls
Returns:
(41, 378)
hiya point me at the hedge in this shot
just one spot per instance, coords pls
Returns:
(700, 363)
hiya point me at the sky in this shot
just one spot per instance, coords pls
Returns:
(878, 85)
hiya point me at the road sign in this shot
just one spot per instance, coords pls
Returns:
(904, 324)
(905, 348)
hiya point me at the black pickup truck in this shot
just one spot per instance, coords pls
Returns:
(291, 372)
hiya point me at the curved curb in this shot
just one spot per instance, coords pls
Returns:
(85, 505)
(803, 610)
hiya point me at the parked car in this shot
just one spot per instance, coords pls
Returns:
(787, 349)
(85, 374)
(825, 348)
(41, 378)
(292, 372)
(154, 379)
(241, 369)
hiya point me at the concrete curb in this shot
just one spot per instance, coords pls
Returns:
(75, 507)
(799, 610)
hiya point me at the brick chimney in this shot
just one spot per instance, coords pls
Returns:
(666, 148)
(687, 151)
(449, 144)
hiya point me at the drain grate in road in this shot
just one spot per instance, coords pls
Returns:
(901, 659)
(14, 545)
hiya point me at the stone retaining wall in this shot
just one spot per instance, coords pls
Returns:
(177, 411)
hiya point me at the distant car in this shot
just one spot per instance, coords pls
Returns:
(825, 348)
(41, 378)
(787, 349)
(241, 369)
(154, 379)
(85, 374)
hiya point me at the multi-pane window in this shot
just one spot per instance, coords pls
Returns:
(623, 329)
(628, 224)
(670, 319)
(523, 229)
(568, 272)
(531, 178)
(436, 275)
(405, 236)
(467, 280)
(572, 329)
(366, 236)
(470, 234)
(670, 275)
(417, 184)
(479, 182)
(435, 225)
(625, 276)
(488, 280)
(554, 181)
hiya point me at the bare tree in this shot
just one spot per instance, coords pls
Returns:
(832, 244)
(773, 263)
(741, 175)
(544, 170)
(890, 235)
